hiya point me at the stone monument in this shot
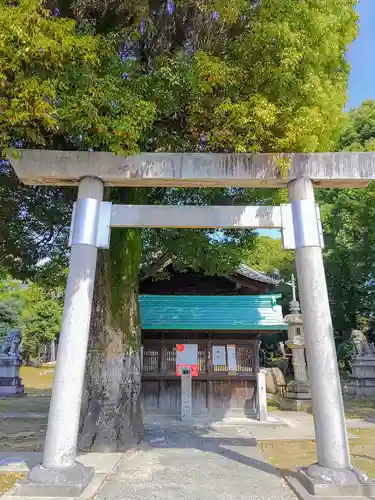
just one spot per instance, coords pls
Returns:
(186, 394)
(297, 396)
(362, 382)
(10, 363)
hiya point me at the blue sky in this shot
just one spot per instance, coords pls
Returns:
(361, 55)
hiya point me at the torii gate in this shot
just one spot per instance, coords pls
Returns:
(300, 225)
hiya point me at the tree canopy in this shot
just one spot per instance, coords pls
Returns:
(348, 231)
(184, 76)
(267, 255)
(33, 309)
(10, 305)
(40, 320)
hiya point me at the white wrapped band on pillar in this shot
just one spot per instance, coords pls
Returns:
(301, 225)
(305, 223)
(85, 221)
(91, 223)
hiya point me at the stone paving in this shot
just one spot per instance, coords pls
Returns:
(175, 461)
(180, 463)
(199, 464)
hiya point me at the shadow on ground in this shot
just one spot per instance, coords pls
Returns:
(203, 440)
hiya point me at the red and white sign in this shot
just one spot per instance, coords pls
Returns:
(187, 356)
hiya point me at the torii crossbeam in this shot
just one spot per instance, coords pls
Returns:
(264, 170)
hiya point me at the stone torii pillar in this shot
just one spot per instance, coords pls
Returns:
(60, 474)
(333, 473)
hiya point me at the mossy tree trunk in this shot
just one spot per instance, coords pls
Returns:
(111, 415)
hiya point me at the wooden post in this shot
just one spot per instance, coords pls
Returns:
(262, 413)
(209, 372)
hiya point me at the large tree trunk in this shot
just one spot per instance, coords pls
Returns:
(111, 415)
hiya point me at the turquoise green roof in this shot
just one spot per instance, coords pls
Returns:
(214, 312)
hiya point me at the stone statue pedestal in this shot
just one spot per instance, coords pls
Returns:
(362, 382)
(10, 381)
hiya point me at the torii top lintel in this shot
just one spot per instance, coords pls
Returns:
(64, 168)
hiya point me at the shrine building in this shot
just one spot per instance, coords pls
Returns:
(218, 322)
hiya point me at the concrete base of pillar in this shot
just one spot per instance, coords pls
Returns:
(295, 404)
(41, 482)
(316, 482)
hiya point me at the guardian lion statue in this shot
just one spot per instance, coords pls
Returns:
(11, 344)
(361, 346)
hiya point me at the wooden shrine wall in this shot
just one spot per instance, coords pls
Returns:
(214, 390)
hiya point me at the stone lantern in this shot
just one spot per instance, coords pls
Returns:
(298, 396)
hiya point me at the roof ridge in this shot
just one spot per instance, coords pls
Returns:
(243, 269)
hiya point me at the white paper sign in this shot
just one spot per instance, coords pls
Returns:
(232, 358)
(187, 354)
(219, 357)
